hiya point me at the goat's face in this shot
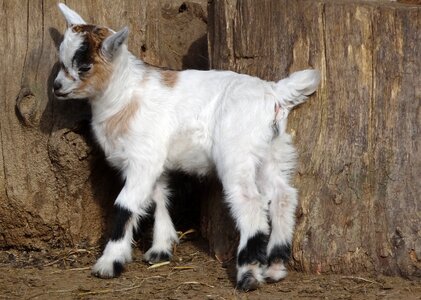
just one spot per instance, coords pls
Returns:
(86, 57)
(84, 69)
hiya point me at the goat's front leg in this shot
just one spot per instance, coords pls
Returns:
(132, 203)
(164, 232)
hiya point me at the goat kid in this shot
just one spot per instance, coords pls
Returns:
(149, 121)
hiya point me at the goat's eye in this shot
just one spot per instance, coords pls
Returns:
(84, 69)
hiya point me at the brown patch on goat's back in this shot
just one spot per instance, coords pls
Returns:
(169, 78)
(119, 124)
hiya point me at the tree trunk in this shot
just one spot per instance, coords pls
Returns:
(54, 183)
(358, 137)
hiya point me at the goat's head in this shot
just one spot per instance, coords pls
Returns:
(86, 56)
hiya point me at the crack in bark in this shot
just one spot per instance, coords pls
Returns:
(27, 45)
(4, 165)
(324, 78)
(42, 39)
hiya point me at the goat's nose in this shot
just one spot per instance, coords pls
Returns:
(56, 85)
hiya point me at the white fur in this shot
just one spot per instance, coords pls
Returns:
(275, 272)
(209, 120)
(116, 251)
(68, 75)
(164, 234)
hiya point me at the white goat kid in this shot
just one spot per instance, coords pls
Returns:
(149, 121)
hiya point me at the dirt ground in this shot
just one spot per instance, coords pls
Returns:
(192, 274)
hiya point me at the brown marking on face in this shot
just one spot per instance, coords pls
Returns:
(119, 123)
(169, 78)
(101, 32)
(95, 80)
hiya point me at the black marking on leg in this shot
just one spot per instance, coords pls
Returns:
(280, 253)
(247, 282)
(118, 268)
(155, 257)
(254, 251)
(122, 217)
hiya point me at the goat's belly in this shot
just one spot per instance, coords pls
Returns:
(189, 155)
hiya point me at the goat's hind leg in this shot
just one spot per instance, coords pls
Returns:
(282, 215)
(273, 180)
(250, 214)
(164, 232)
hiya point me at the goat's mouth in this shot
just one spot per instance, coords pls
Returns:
(61, 95)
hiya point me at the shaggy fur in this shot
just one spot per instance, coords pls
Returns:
(149, 121)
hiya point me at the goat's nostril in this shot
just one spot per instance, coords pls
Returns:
(57, 85)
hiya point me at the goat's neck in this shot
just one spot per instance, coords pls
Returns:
(128, 71)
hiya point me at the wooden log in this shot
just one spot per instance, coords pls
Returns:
(55, 187)
(358, 137)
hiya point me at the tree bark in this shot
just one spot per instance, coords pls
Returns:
(54, 183)
(358, 137)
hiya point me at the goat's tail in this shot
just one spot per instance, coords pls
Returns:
(294, 89)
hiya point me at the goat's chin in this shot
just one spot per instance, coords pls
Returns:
(62, 98)
(70, 96)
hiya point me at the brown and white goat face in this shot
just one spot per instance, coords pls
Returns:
(86, 57)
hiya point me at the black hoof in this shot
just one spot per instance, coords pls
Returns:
(156, 257)
(247, 282)
(270, 280)
(118, 268)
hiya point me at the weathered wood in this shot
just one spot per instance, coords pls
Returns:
(216, 224)
(54, 184)
(358, 137)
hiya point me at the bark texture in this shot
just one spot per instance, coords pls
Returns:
(358, 137)
(54, 183)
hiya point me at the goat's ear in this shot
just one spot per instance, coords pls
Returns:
(112, 43)
(71, 16)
